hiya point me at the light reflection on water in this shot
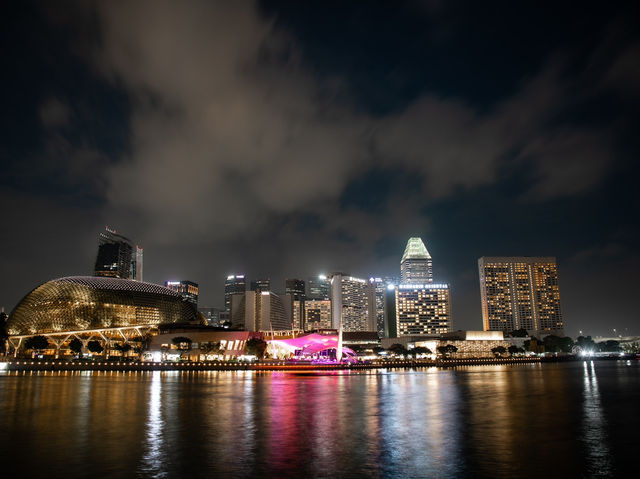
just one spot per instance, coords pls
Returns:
(152, 460)
(595, 435)
(496, 421)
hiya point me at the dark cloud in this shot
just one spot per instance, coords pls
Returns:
(214, 125)
(625, 71)
(215, 118)
(54, 113)
(566, 163)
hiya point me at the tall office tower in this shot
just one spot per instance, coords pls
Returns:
(350, 303)
(187, 289)
(390, 323)
(260, 285)
(520, 293)
(137, 266)
(318, 314)
(234, 284)
(416, 265)
(296, 288)
(261, 311)
(318, 288)
(377, 305)
(114, 255)
(422, 309)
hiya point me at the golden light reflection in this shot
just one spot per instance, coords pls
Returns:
(153, 456)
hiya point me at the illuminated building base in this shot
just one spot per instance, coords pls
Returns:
(316, 348)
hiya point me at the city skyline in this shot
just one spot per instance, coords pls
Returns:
(281, 148)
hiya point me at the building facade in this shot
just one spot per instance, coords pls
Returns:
(260, 285)
(469, 344)
(80, 303)
(351, 300)
(234, 284)
(296, 288)
(261, 311)
(377, 305)
(318, 288)
(422, 309)
(416, 266)
(187, 289)
(115, 258)
(318, 314)
(520, 293)
(207, 343)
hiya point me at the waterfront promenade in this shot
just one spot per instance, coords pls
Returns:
(61, 365)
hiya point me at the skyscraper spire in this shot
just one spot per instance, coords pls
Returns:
(416, 265)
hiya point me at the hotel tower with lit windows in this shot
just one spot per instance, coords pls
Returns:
(520, 293)
(422, 306)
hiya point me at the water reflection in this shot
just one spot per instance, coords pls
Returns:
(152, 461)
(595, 435)
(504, 421)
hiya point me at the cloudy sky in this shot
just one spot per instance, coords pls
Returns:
(287, 139)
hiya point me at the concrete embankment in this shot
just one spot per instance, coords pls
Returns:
(59, 365)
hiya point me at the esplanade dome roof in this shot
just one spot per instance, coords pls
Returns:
(79, 303)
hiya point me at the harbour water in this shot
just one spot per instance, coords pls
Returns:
(577, 419)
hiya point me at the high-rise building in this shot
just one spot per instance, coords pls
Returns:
(422, 309)
(351, 300)
(318, 314)
(115, 255)
(234, 284)
(416, 266)
(296, 288)
(390, 324)
(318, 288)
(379, 291)
(520, 293)
(417, 306)
(187, 289)
(260, 285)
(261, 311)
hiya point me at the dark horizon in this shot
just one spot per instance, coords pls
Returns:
(284, 141)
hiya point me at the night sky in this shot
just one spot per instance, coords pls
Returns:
(287, 139)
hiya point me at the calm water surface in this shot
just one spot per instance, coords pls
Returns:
(571, 420)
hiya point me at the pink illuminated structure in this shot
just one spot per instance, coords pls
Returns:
(318, 348)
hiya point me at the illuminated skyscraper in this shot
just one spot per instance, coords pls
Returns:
(261, 311)
(318, 288)
(187, 289)
(416, 265)
(422, 309)
(351, 300)
(520, 293)
(234, 284)
(115, 255)
(379, 290)
(390, 323)
(317, 314)
(296, 288)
